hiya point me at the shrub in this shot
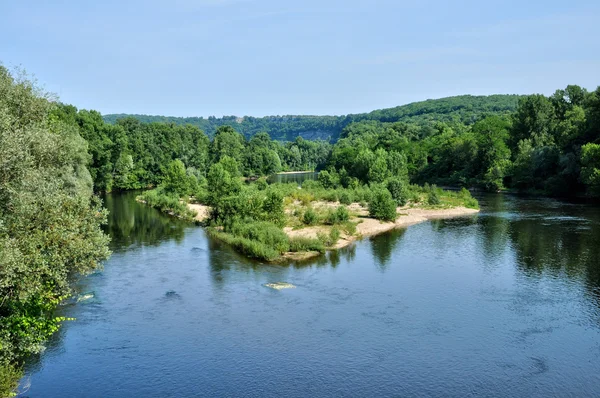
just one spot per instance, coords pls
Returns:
(345, 198)
(382, 206)
(349, 227)
(9, 379)
(306, 244)
(262, 184)
(468, 200)
(311, 184)
(310, 217)
(433, 198)
(264, 232)
(251, 248)
(398, 189)
(334, 236)
(273, 208)
(338, 215)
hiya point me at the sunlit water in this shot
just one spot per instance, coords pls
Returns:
(505, 303)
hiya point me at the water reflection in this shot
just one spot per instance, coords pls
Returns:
(503, 301)
(133, 224)
(293, 177)
(383, 246)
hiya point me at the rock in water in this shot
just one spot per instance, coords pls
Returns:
(85, 296)
(172, 294)
(279, 285)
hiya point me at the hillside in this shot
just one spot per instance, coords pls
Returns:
(464, 109)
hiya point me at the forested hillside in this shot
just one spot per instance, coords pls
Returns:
(530, 143)
(464, 109)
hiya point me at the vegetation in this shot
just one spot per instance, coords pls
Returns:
(464, 109)
(53, 156)
(49, 220)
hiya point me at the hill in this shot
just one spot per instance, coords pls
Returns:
(466, 109)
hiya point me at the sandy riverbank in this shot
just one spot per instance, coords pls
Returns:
(369, 226)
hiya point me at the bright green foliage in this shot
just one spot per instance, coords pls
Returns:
(49, 221)
(301, 244)
(590, 172)
(337, 216)
(327, 180)
(227, 142)
(9, 379)
(382, 206)
(273, 208)
(221, 184)
(399, 190)
(433, 196)
(176, 181)
(345, 198)
(310, 217)
(263, 232)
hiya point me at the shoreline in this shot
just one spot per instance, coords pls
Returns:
(371, 227)
(294, 172)
(366, 226)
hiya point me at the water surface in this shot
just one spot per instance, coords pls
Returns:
(504, 303)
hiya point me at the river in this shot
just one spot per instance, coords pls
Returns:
(504, 303)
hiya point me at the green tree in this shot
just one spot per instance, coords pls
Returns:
(176, 181)
(382, 206)
(49, 220)
(590, 172)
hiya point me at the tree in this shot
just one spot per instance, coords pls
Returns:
(590, 172)
(176, 181)
(49, 220)
(382, 206)
(227, 142)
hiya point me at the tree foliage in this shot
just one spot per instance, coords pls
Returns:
(49, 220)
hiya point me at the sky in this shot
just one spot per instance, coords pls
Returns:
(277, 57)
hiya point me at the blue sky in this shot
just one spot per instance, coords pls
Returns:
(268, 57)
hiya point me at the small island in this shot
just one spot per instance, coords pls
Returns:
(280, 222)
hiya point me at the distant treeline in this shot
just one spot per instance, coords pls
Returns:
(547, 145)
(465, 109)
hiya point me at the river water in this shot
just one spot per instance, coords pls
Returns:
(505, 303)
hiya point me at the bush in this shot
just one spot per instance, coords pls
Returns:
(251, 248)
(264, 232)
(334, 236)
(468, 200)
(273, 208)
(311, 184)
(382, 206)
(338, 215)
(262, 184)
(310, 217)
(345, 198)
(349, 227)
(433, 198)
(306, 244)
(398, 189)
(9, 379)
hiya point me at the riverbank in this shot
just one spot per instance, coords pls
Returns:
(365, 226)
